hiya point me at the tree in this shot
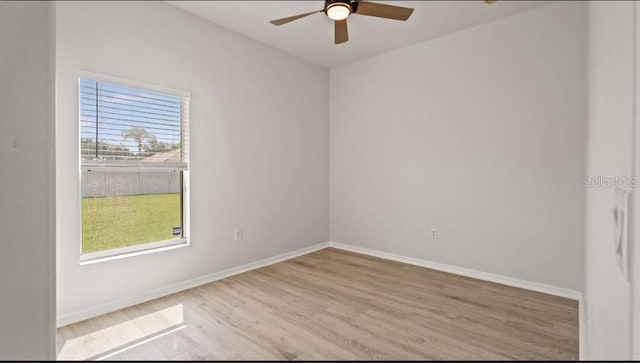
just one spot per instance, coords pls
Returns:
(154, 146)
(90, 149)
(139, 135)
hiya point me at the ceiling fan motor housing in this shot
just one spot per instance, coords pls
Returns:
(345, 4)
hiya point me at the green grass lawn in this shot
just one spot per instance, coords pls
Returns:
(115, 222)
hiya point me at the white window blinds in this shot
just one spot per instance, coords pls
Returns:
(127, 126)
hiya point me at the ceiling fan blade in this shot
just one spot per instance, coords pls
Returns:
(292, 18)
(383, 10)
(342, 34)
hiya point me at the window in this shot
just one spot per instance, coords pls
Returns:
(134, 168)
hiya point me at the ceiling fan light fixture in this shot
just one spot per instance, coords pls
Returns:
(338, 11)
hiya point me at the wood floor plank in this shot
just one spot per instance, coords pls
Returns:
(338, 305)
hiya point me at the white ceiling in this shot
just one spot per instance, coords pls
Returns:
(311, 38)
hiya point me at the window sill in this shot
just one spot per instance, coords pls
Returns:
(92, 261)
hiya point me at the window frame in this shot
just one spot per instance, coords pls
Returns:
(149, 247)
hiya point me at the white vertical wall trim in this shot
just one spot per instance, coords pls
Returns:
(634, 247)
(611, 119)
(632, 228)
(51, 323)
(582, 329)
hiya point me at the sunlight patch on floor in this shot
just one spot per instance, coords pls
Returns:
(115, 339)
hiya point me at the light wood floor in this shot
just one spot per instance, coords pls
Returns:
(334, 305)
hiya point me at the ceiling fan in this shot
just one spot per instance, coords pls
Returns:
(340, 10)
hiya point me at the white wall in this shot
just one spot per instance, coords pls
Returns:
(480, 134)
(259, 144)
(610, 150)
(27, 207)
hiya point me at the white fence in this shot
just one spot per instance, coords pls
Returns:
(100, 184)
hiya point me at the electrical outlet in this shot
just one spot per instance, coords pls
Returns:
(237, 234)
(434, 233)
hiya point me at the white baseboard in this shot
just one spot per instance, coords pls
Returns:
(505, 280)
(481, 275)
(154, 294)
(582, 329)
(171, 289)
